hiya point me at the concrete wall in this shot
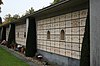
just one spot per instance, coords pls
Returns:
(59, 60)
(21, 30)
(95, 32)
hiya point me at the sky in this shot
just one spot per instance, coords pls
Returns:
(20, 6)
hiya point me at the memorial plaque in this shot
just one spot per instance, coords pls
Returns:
(68, 31)
(75, 46)
(75, 23)
(62, 52)
(57, 37)
(51, 37)
(75, 55)
(62, 44)
(75, 15)
(57, 25)
(53, 25)
(68, 45)
(82, 30)
(62, 24)
(75, 39)
(48, 49)
(68, 16)
(82, 22)
(68, 38)
(56, 44)
(48, 43)
(75, 30)
(57, 50)
(44, 26)
(52, 49)
(62, 17)
(51, 31)
(52, 44)
(68, 53)
(45, 37)
(83, 13)
(68, 23)
(56, 31)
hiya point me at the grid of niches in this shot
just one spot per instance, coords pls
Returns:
(20, 29)
(73, 24)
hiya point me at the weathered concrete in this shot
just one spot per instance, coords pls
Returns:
(94, 33)
(60, 60)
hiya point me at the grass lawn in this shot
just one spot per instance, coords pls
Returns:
(7, 59)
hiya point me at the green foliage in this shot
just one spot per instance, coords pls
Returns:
(7, 59)
(30, 11)
(16, 16)
(56, 1)
(9, 18)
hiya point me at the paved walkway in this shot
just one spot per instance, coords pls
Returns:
(19, 56)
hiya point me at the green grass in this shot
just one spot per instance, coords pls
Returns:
(7, 59)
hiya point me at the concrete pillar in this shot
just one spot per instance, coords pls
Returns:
(94, 32)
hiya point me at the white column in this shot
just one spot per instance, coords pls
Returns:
(27, 25)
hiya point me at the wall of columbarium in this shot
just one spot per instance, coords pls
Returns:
(20, 31)
(73, 25)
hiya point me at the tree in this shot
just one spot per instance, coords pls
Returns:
(1, 2)
(56, 1)
(16, 16)
(30, 11)
(9, 18)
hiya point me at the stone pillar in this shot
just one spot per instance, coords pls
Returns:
(94, 32)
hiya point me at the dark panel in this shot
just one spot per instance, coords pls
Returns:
(31, 38)
(0, 20)
(85, 53)
(0, 33)
(11, 36)
(3, 33)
